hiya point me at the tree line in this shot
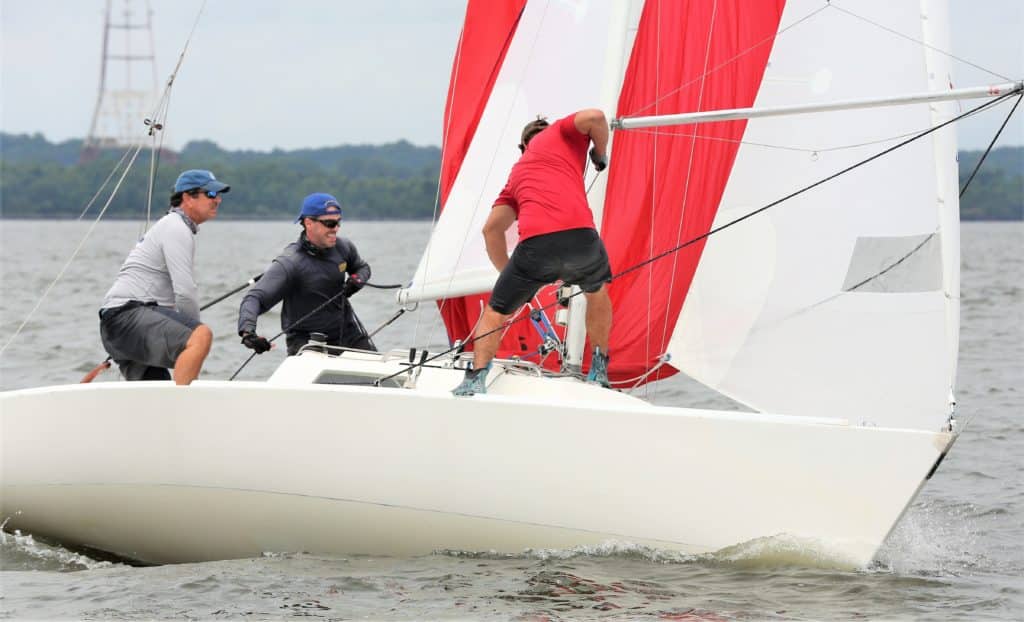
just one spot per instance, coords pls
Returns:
(396, 181)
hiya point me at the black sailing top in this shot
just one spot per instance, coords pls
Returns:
(305, 277)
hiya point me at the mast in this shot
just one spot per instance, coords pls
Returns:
(623, 24)
(935, 35)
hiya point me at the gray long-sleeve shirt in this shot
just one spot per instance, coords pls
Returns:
(159, 268)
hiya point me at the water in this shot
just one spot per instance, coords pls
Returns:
(957, 555)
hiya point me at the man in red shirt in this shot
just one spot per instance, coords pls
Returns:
(557, 238)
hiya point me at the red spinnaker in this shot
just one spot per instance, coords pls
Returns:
(666, 183)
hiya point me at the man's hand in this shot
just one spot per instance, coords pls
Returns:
(600, 161)
(352, 285)
(255, 342)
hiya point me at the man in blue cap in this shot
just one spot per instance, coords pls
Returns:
(315, 276)
(149, 320)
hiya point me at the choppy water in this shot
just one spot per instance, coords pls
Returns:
(958, 554)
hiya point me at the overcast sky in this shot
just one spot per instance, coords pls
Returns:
(261, 74)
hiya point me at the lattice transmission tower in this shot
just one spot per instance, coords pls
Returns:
(128, 79)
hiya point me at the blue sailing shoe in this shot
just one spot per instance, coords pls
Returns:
(599, 369)
(474, 382)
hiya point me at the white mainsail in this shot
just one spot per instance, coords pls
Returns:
(772, 318)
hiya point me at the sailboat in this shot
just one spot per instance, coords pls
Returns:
(833, 316)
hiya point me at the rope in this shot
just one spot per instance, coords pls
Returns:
(519, 82)
(919, 42)
(685, 197)
(375, 286)
(767, 40)
(990, 145)
(74, 254)
(106, 362)
(718, 229)
(322, 306)
(815, 184)
(105, 182)
(440, 172)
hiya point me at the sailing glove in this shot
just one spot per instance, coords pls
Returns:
(600, 161)
(255, 342)
(352, 285)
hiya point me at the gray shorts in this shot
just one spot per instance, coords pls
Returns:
(144, 339)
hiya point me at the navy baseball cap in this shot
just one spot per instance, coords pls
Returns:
(198, 178)
(319, 204)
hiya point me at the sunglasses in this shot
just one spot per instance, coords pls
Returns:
(330, 224)
(210, 193)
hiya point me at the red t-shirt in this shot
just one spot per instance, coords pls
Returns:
(545, 187)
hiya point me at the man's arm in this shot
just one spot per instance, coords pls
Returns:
(262, 296)
(501, 218)
(357, 269)
(356, 264)
(593, 123)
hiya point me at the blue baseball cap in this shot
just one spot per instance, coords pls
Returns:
(198, 178)
(319, 204)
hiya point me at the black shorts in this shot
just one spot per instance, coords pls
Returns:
(576, 257)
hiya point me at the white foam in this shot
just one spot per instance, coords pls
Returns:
(64, 559)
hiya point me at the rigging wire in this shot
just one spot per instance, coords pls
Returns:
(161, 105)
(685, 197)
(769, 39)
(911, 252)
(322, 306)
(814, 185)
(440, 175)
(158, 119)
(796, 23)
(106, 362)
(990, 145)
(919, 42)
(526, 68)
(74, 254)
(735, 221)
(106, 181)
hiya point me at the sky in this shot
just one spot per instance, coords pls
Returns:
(264, 74)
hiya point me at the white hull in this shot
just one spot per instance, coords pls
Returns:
(218, 470)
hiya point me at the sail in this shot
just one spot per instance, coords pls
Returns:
(486, 35)
(485, 38)
(665, 185)
(555, 58)
(843, 300)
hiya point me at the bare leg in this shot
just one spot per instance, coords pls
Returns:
(484, 348)
(190, 361)
(599, 318)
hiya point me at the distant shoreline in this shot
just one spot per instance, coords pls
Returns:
(375, 183)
